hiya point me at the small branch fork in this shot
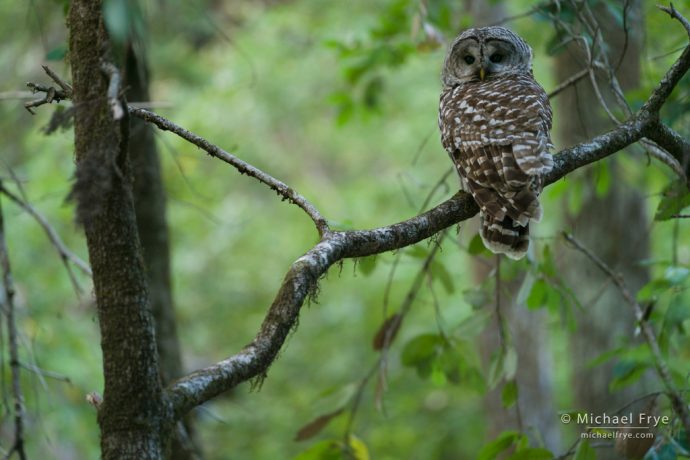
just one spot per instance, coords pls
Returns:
(679, 405)
(51, 93)
(301, 279)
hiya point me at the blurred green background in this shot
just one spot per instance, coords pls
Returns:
(339, 100)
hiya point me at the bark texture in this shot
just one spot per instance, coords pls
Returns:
(132, 417)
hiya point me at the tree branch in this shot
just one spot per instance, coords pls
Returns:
(672, 142)
(7, 301)
(243, 167)
(301, 280)
(679, 406)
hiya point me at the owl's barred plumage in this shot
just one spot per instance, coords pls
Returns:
(495, 121)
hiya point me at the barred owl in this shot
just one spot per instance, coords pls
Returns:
(495, 121)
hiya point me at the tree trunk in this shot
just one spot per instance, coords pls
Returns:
(150, 208)
(604, 224)
(132, 416)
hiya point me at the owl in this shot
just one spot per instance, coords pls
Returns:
(495, 121)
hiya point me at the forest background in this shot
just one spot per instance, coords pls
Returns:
(339, 100)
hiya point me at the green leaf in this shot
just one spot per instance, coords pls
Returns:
(547, 265)
(451, 363)
(358, 449)
(653, 289)
(604, 357)
(421, 352)
(675, 197)
(495, 370)
(676, 275)
(553, 299)
(509, 394)
(366, 265)
(677, 313)
(498, 445)
(537, 295)
(626, 372)
(439, 271)
(372, 92)
(501, 361)
(585, 451)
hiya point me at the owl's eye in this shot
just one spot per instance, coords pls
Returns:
(469, 59)
(496, 58)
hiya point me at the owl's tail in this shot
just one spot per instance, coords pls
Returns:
(504, 236)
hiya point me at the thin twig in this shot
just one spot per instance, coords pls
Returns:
(671, 11)
(66, 87)
(568, 83)
(500, 321)
(243, 167)
(8, 95)
(626, 37)
(530, 12)
(662, 155)
(46, 373)
(354, 406)
(65, 254)
(679, 405)
(381, 362)
(9, 310)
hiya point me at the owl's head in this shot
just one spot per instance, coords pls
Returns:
(483, 53)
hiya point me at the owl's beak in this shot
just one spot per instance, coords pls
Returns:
(482, 73)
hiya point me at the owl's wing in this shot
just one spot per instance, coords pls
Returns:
(523, 119)
(511, 111)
